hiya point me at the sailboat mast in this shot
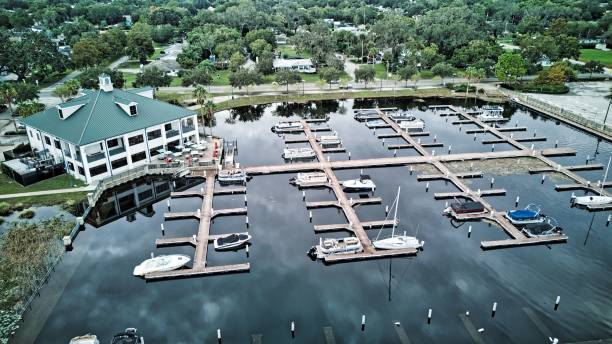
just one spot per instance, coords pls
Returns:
(395, 211)
(605, 176)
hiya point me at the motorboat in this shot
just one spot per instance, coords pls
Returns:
(364, 183)
(232, 241)
(161, 263)
(327, 247)
(464, 208)
(395, 242)
(530, 214)
(415, 124)
(287, 126)
(298, 153)
(594, 200)
(376, 123)
(543, 229)
(491, 112)
(308, 179)
(232, 176)
(85, 339)
(401, 116)
(329, 140)
(364, 115)
(129, 336)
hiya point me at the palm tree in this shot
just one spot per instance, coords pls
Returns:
(209, 108)
(473, 73)
(7, 96)
(201, 96)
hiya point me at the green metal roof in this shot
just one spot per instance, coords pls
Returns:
(101, 118)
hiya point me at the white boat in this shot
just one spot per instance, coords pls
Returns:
(399, 116)
(85, 339)
(232, 241)
(298, 153)
(491, 112)
(376, 123)
(395, 242)
(543, 229)
(530, 214)
(327, 247)
(596, 200)
(287, 126)
(329, 140)
(161, 263)
(364, 183)
(309, 178)
(412, 125)
(232, 176)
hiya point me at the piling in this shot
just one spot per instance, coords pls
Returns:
(387, 212)
(471, 166)
(557, 302)
(608, 220)
(427, 187)
(474, 136)
(162, 228)
(543, 178)
(349, 155)
(429, 316)
(493, 147)
(199, 212)
(303, 195)
(517, 201)
(201, 190)
(395, 152)
(383, 141)
(587, 159)
(419, 140)
(293, 329)
(450, 147)
(534, 132)
(247, 221)
(435, 138)
(363, 322)
(470, 231)
(411, 169)
(219, 335)
(556, 143)
(245, 199)
(492, 181)
(168, 204)
(310, 215)
(494, 309)
(433, 152)
(174, 184)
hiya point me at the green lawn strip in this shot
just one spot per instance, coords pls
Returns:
(288, 51)
(68, 199)
(64, 181)
(605, 57)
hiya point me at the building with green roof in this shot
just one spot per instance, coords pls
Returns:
(108, 131)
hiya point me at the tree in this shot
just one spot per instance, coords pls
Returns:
(201, 96)
(593, 67)
(365, 73)
(153, 77)
(405, 73)
(260, 46)
(139, 42)
(25, 92)
(29, 108)
(443, 70)
(317, 40)
(329, 74)
(415, 78)
(287, 77)
(236, 61)
(86, 53)
(7, 96)
(116, 40)
(89, 78)
(265, 63)
(509, 67)
(244, 78)
(197, 76)
(68, 89)
(34, 54)
(473, 73)
(478, 54)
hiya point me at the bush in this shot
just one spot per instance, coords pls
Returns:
(532, 87)
(18, 206)
(426, 74)
(27, 214)
(69, 205)
(5, 209)
(462, 88)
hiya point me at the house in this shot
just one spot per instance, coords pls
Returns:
(299, 65)
(108, 131)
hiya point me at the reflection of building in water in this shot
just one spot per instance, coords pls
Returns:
(136, 196)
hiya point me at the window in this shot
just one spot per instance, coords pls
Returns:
(173, 144)
(47, 140)
(139, 156)
(94, 171)
(30, 133)
(134, 140)
(133, 110)
(61, 113)
(119, 163)
(82, 171)
(168, 126)
(71, 166)
(152, 135)
(112, 143)
(154, 151)
(57, 144)
(38, 135)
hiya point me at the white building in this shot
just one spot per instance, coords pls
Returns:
(296, 65)
(109, 131)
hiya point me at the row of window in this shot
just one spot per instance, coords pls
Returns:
(115, 164)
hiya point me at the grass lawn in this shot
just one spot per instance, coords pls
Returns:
(9, 186)
(129, 79)
(289, 51)
(381, 70)
(605, 57)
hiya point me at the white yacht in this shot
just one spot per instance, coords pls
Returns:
(85, 339)
(232, 176)
(415, 124)
(232, 241)
(329, 247)
(309, 178)
(298, 153)
(491, 112)
(395, 242)
(597, 200)
(161, 263)
(364, 183)
(287, 126)
(329, 140)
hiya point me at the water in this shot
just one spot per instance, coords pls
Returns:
(94, 290)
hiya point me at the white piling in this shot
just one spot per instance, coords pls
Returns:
(474, 136)
(450, 147)
(245, 199)
(246, 220)
(162, 228)
(293, 328)
(433, 152)
(419, 140)
(469, 231)
(387, 212)
(427, 187)
(199, 212)
(174, 184)
(543, 178)
(328, 158)
(557, 302)
(349, 155)
(493, 147)
(556, 143)
(201, 190)
(395, 152)
(411, 169)
(303, 195)
(219, 334)
(492, 181)
(511, 135)
(517, 201)
(494, 309)
(587, 159)
(310, 215)
(435, 138)
(168, 204)
(478, 192)
(152, 255)
(608, 220)
(429, 316)
(532, 146)
(363, 322)
(445, 204)
(534, 132)
(383, 141)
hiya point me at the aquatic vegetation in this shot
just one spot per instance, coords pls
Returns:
(500, 167)
(425, 169)
(5, 209)
(27, 214)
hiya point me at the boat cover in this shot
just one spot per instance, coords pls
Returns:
(467, 207)
(523, 214)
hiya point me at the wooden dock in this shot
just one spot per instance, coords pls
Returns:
(347, 226)
(352, 202)
(479, 193)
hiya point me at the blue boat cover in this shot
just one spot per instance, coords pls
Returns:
(523, 214)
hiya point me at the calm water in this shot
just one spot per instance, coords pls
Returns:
(94, 290)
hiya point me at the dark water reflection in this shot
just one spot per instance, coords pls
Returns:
(451, 276)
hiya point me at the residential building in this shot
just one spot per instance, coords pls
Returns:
(299, 65)
(108, 131)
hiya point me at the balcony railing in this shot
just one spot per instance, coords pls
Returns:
(171, 133)
(95, 156)
(117, 150)
(188, 128)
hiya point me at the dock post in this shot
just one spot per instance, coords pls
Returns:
(474, 136)
(543, 178)
(557, 302)
(374, 131)
(433, 152)
(383, 141)
(219, 335)
(303, 195)
(394, 152)
(349, 155)
(361, 172)
(247, 250)
(517, 201)
(293, 329)
(387, 212)
(450, 147)
(429, 316)
(532, 146)
(202, 190)
(511, 135)
(174, 184)
(328, 158)
(363, 322)
(310, 215)
(587, 159)
(435, 138)
(478, 192)
(245, 199)
(534, 132)
(162, 228)
(419, 140)
(247, 221)
(427, 187)
(411, 169)
(199, 212)
(471, 166)
(493, 147)
(494, 309)
(492, 181)
(459, 127)
(608, 220)
(556, 143)
(168, 203)
(445, 204)
(470, 231)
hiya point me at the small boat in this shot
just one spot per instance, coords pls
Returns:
(364, 115)
(309, 178)
(530, 214)
(298, 153)
(329, 247)
(376, 123)
(287, 126)
(161, 263)
(129, 336)
(401, 116)
(491, 112)
(232, 241)
(329, 140)
(232, 176)
(85, 339)
(364, 183)
(543, 229)
(597, 200)
(395, 242)
(466, 207)
(415, 124)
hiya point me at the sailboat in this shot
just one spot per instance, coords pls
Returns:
(594, 200)
(395, 242)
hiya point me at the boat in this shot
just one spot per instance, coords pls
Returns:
(329, 140)
(363, 115)
(364, 183)
(327, 247)
(491, 112)
(232, 176)
(232, 241)
(465, 207)
(85, 339)
(395, 242)
(543, 229)
(597, 200)
(298, 153)
(530, 214)
(414, 124)
(287, 126)
(376, 123)
(401, 116)
(161, 263)
(129, 336)
(309, 178)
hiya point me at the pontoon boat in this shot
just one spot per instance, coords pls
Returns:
(364, 183)
(329, 247)
(298, 153)
(309, 178)
(232, 176)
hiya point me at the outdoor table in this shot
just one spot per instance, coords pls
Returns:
(177, 154)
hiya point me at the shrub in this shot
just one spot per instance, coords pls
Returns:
(18, 206)
(27, 214)
(426, 74)
(532, 87)
(5, 209)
